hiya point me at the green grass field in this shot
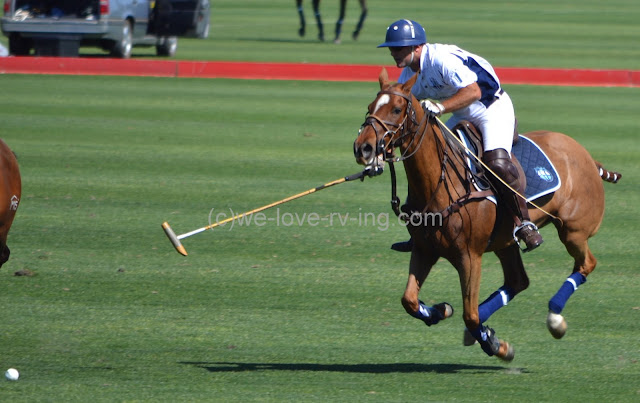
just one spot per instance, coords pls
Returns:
(281, 311)
(276, 312)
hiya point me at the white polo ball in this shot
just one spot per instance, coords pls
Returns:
(12, 374)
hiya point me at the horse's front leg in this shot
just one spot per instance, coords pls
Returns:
(469, 270)
(419, 268)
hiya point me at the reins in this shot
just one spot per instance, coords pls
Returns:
(390, 158)
(416, 141)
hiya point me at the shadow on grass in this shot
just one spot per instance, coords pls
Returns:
(352, 368)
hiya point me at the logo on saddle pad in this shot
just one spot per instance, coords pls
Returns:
(544, 174)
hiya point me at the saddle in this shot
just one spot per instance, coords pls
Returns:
(540, 174)
(475, 136)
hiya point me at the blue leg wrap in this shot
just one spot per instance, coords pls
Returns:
(487, 338)
(495, 301)
(557, 303)
(428, 314)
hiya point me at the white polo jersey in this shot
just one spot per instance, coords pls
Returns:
(444, 70)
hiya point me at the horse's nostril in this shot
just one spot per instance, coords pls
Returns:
(364, 151)
(367, 151)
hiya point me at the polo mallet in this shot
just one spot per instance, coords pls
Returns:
(175, 239)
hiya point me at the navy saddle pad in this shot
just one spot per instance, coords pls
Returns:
(542, 177)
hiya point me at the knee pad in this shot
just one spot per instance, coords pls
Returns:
(499, 161)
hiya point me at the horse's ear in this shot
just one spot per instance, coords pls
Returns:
(383, 78)
(406, 87)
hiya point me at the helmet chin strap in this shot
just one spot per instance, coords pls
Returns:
(413, 48)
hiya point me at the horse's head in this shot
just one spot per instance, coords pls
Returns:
(387, 123)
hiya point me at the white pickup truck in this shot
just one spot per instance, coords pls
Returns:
(61, 27)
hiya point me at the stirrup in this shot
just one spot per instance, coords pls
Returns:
(524, 226)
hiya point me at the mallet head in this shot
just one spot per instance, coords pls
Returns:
(174, 239)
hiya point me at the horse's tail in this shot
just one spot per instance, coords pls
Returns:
(606, 175)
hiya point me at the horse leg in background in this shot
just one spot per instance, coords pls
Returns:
(419, 269)
(470, 273)
(303, 24)
(363, 16)
(578, 247)
(343, 6)
(316, 10)
(515, 281)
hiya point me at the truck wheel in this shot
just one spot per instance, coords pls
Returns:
(19, 46)
(122, 48)
(167, 46)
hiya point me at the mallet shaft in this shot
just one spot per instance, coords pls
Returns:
(175, 239)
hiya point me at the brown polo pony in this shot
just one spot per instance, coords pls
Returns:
(10, 193)
(439, 183)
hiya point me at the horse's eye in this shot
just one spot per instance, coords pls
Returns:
(397, 111)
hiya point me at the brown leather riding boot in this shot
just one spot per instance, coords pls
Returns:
(500, 163)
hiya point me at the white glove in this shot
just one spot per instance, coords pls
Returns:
(433, 109)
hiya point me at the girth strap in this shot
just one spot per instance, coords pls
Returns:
(457, 205)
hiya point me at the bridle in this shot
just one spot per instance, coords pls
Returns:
(403, 131)
(400, 130)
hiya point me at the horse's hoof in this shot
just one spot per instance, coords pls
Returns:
(467, 338)
(445, 309)
(556, 325)
(506, 352)
(301, 31)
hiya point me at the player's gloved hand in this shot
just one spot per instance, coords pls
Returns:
(433, 109)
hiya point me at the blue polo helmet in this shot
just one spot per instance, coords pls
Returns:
(404, 33)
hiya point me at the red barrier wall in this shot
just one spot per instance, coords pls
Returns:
(293, 71)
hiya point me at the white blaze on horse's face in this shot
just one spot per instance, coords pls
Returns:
(383, 100)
